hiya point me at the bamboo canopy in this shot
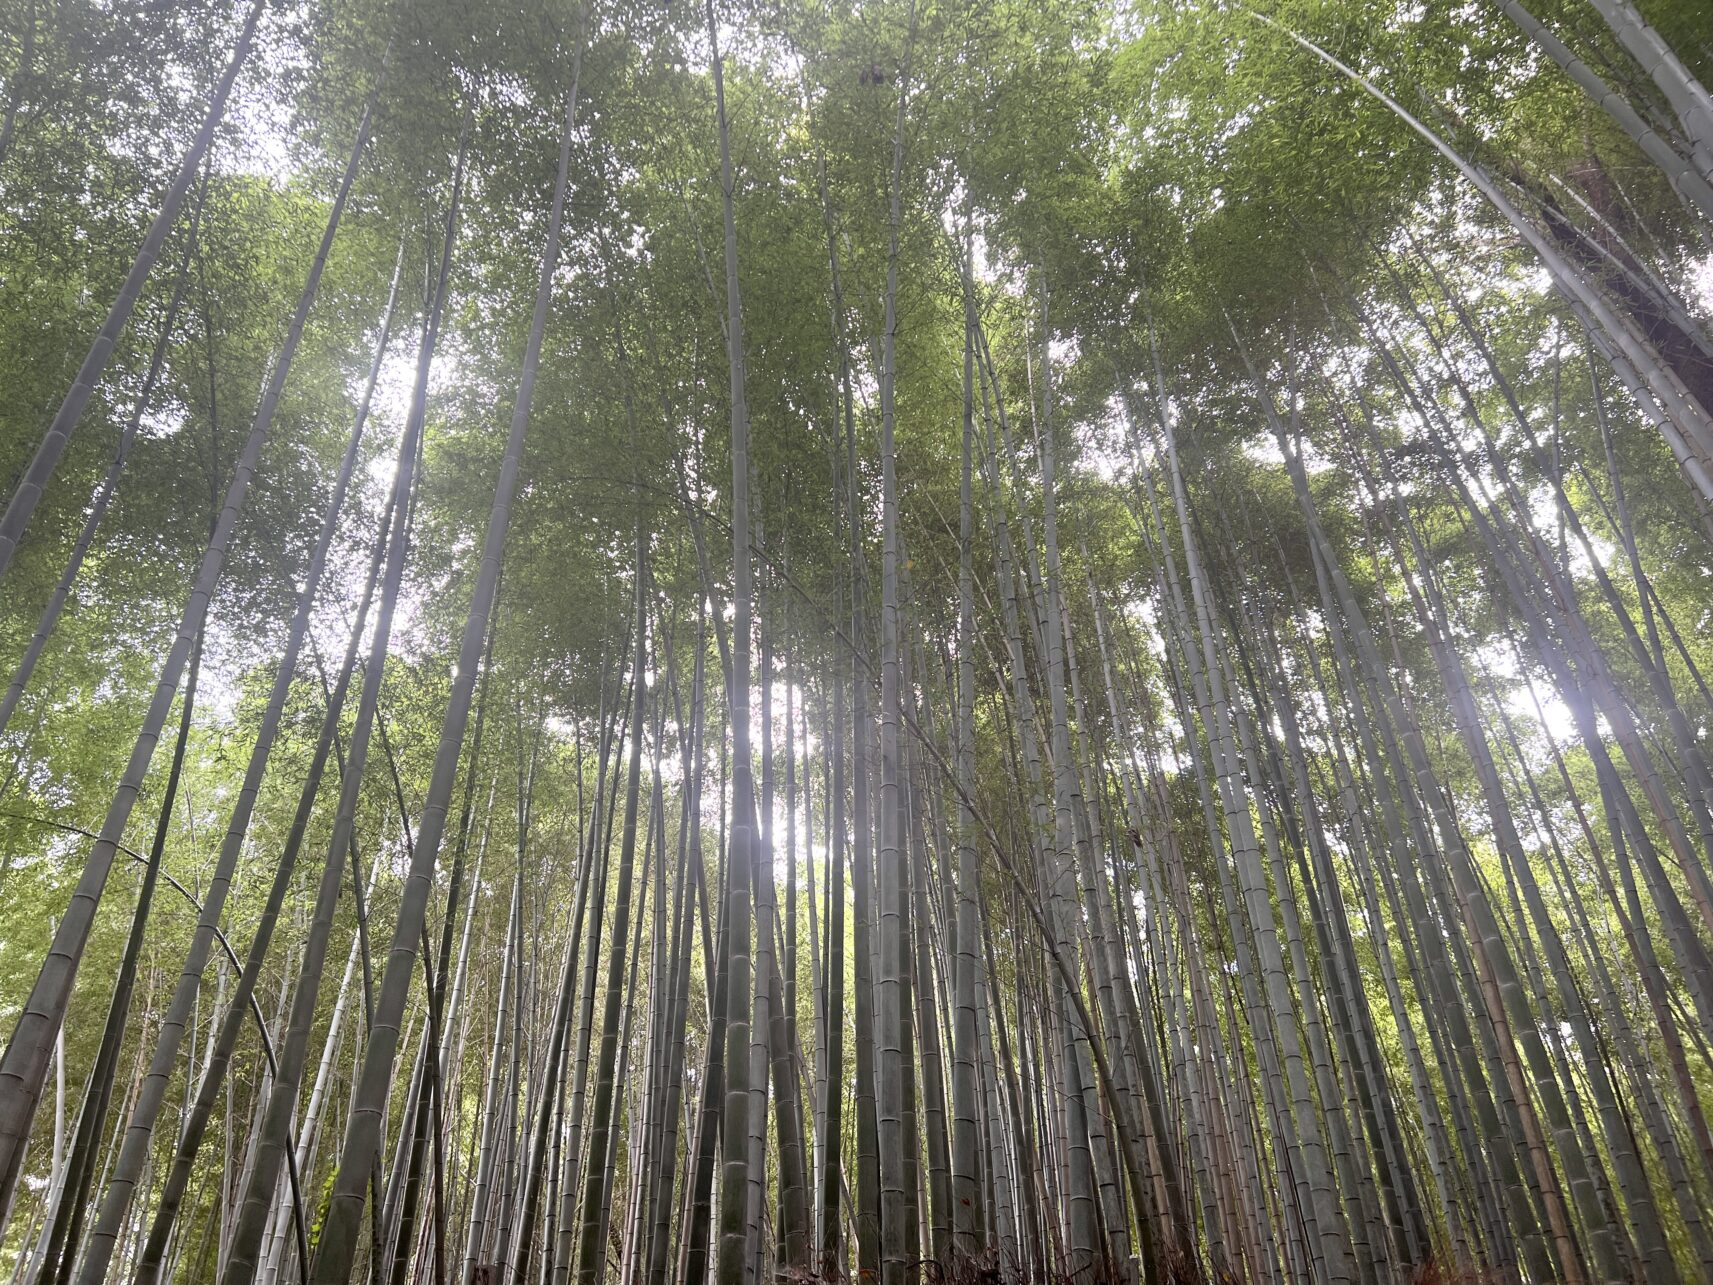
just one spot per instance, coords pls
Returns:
(920, 642)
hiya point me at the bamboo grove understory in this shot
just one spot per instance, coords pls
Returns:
(911, 642)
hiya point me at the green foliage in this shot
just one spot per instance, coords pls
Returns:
(1163, 204)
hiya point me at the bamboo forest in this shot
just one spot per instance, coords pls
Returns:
(914, 642)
